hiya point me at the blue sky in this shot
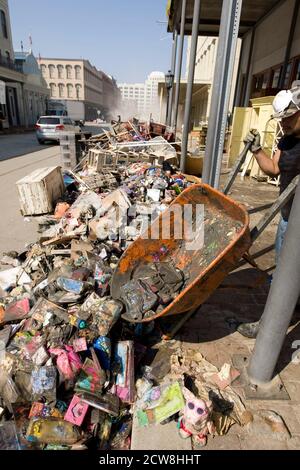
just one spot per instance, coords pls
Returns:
(121, 37)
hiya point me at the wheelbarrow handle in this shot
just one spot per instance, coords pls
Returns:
(236, 168)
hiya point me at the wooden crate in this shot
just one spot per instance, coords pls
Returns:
(39, 191)
(98, 159)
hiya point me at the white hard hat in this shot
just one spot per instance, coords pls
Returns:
(287, 102)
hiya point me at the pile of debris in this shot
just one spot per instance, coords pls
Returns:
(124, 143)
(68, 361)
(73, 362)
(182, 386)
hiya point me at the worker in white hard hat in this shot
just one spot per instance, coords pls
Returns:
(285, 162)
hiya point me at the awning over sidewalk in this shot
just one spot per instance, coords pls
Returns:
(252, 12)
(197, 88)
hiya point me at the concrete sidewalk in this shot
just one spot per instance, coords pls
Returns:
(212, 332)
(241, 298)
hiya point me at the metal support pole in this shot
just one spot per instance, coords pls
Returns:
(167, 106)
(289, 44)
(238, 87)
(244, 99)
(173, 65)
(282, 299)
(179, 65)
(161, 104)
(236, 168)
(190, 81)
(229, 29)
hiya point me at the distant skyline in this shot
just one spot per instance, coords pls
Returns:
(124, 38)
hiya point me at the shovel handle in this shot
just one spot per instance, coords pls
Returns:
(236, 168)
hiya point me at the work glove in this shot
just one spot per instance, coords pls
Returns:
(254, 138)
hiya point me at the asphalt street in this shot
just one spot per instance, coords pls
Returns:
(15, 230)
(18, 144)
(20, 154)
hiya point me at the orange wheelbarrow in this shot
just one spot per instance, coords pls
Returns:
(226, 240)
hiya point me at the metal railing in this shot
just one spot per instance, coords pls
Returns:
(10, 64)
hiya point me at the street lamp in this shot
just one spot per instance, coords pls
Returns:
(169, 80)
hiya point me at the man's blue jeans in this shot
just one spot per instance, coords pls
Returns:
(282, 226)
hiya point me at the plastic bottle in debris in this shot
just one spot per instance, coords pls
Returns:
(52, 431)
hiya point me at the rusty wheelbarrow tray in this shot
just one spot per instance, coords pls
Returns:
(204, 268)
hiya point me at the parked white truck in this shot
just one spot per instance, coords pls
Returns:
(75, 110)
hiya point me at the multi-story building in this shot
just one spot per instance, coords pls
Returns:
(270, 60)
(11, 75)
(204, 73)
(35, 91)
(203, 80)
(23, 92)
(7, 51)
(111, 97)
(78, 80)
(142, 99)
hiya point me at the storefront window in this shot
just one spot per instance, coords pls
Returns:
(265, 81)
(276, 76)
(287, 76)
(298, 71)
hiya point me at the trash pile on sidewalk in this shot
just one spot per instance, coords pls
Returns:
(67, 359)
(195, 391)
(127, 143)
(72, 358)
(182, 386)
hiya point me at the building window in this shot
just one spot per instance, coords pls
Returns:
(276, 77)
(52, 89)
(51, 71)
(265, 80)
(44, 70)
(287, 76)
(61, 87)
(69, 71)
(60, 70)
(3, 24)
(295, 72)
(298, 71)
(70, 90)
(78, 90)
(77, 72)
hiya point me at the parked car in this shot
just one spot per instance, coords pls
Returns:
(48, 128)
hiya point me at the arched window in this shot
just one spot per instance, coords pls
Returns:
(51, 71)
(60, 70)
(61, 90)
(78, 91)
(69, 71)
(3, 24)
(70, 90)
(77, 72)
(53, 89)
